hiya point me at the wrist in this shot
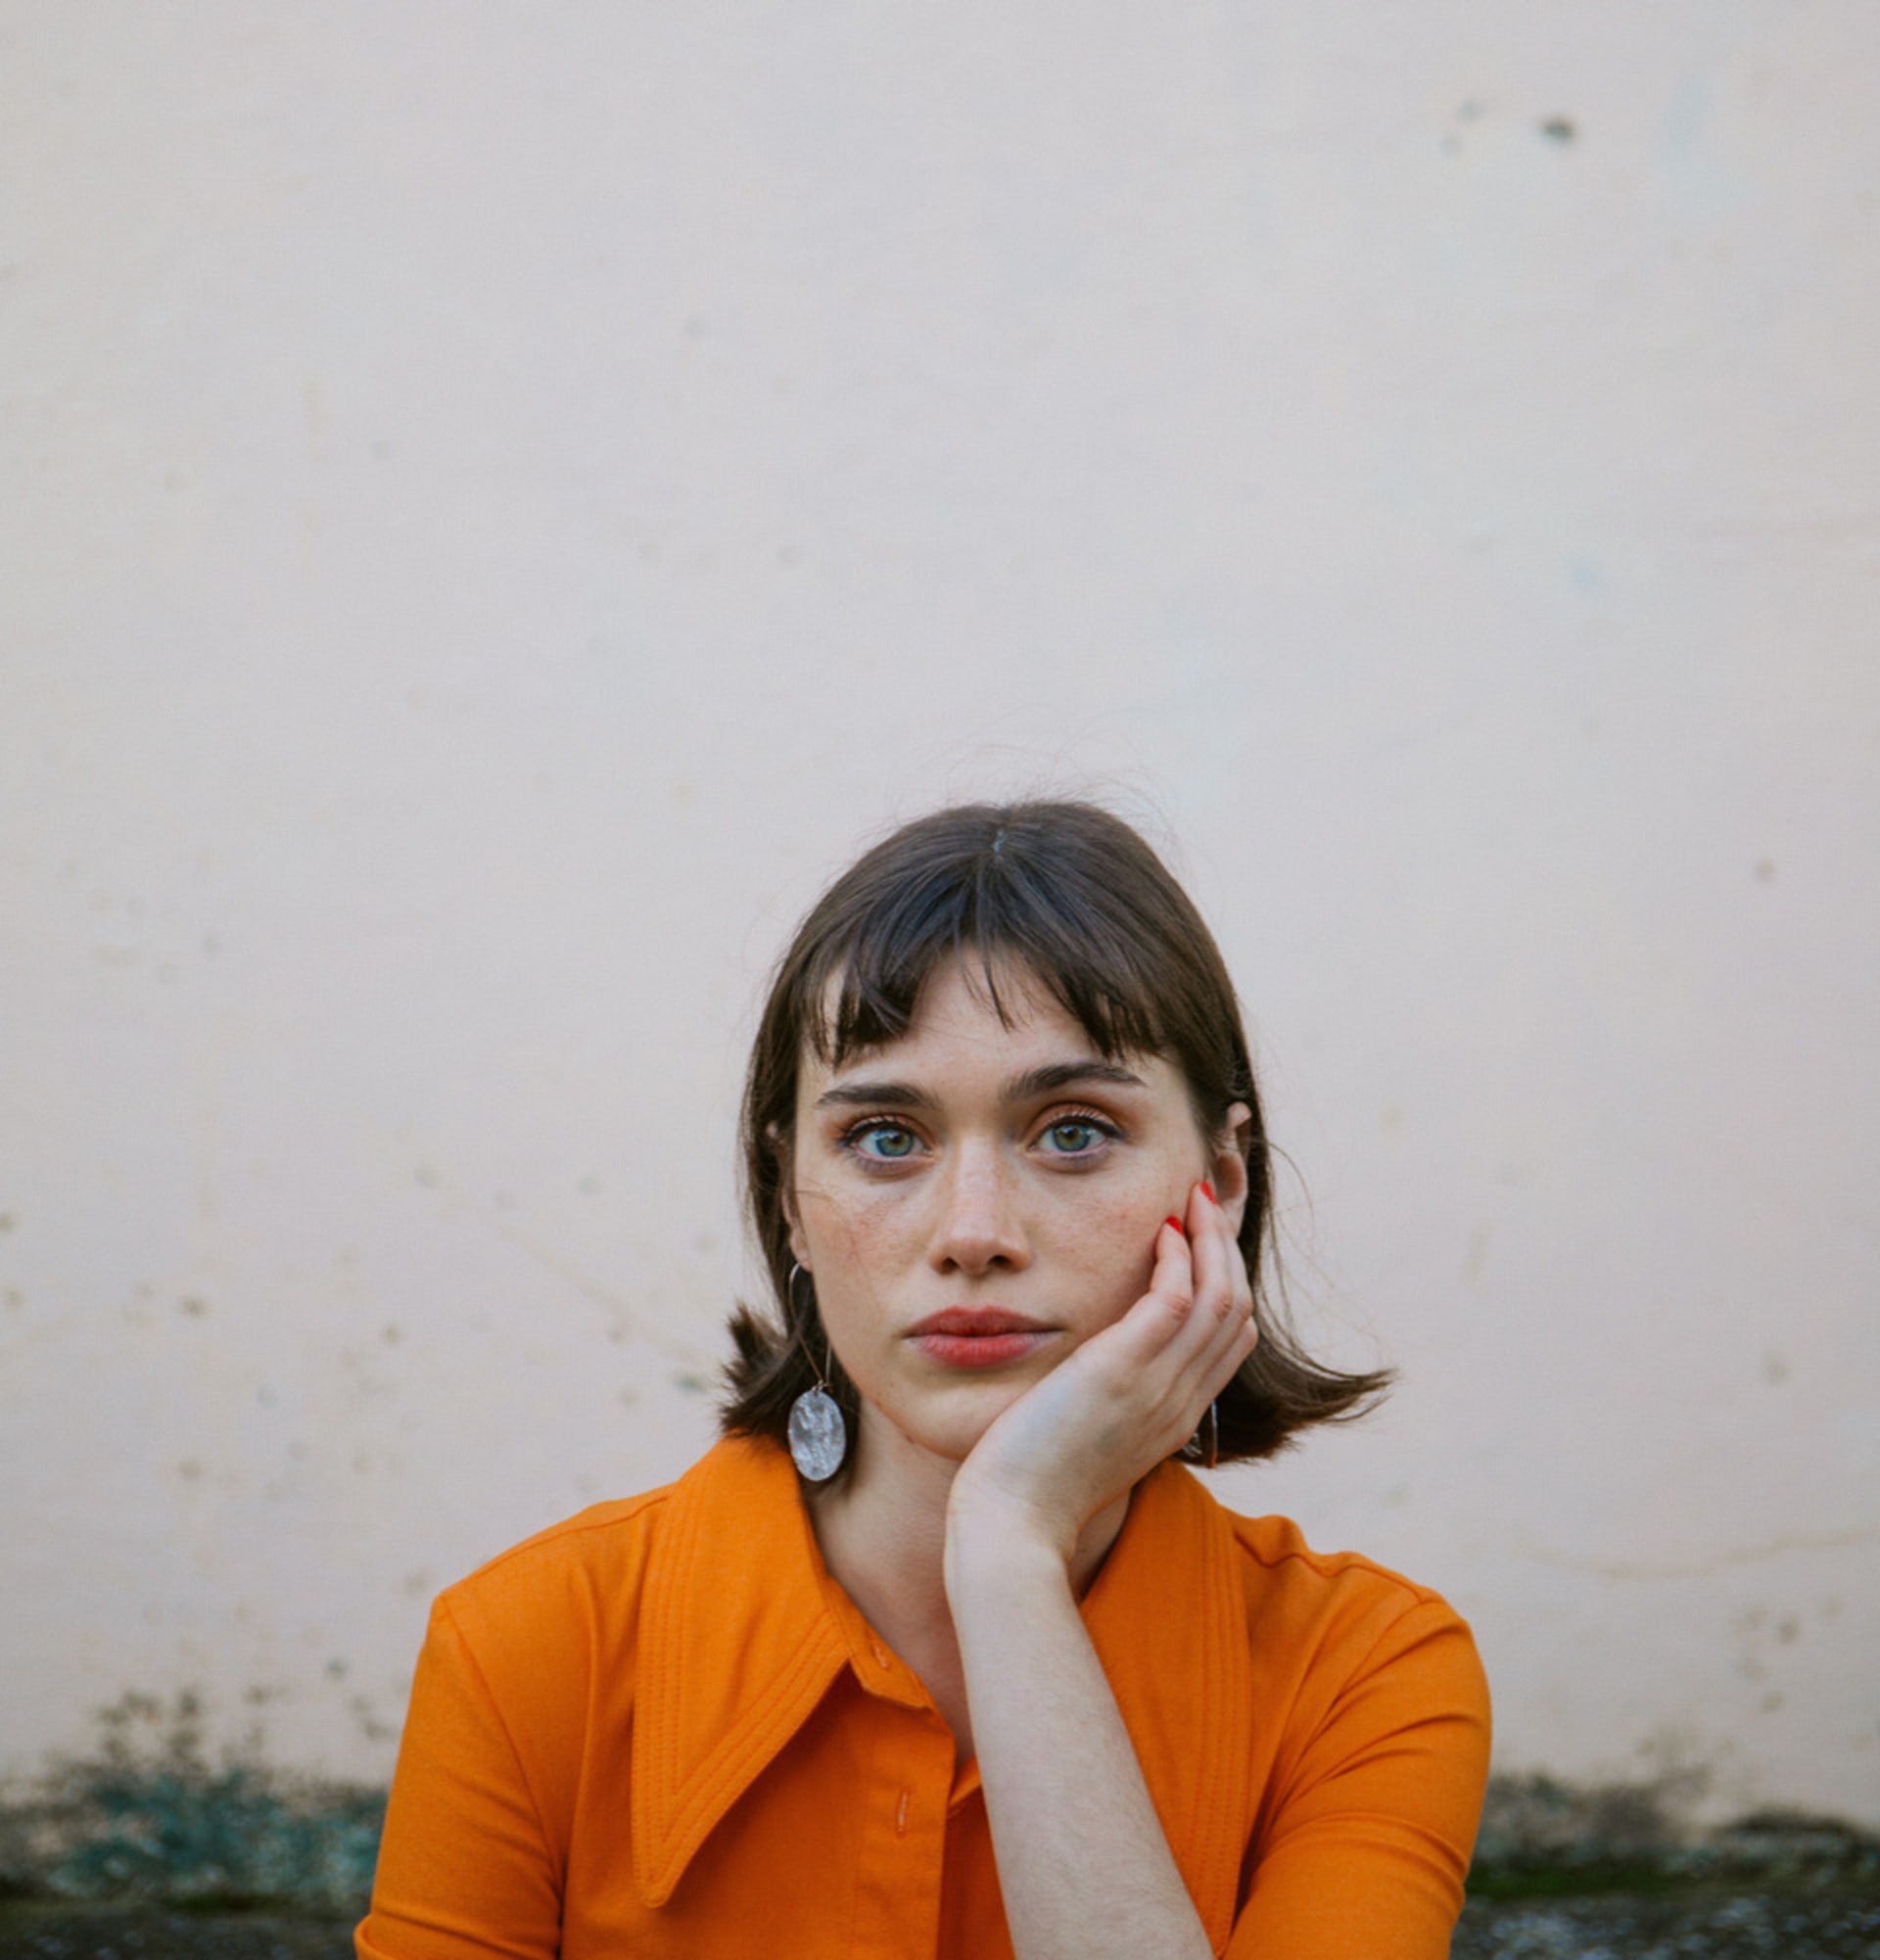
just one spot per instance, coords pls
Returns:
(1001, 1546)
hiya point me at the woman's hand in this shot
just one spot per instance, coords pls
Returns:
(1128, 1397)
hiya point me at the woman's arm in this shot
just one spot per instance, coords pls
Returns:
(1083, 1863)
(1366, 1847)
(464, 1871)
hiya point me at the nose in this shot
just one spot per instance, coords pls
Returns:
(979, 1227)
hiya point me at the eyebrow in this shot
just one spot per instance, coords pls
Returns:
(1042, 1081)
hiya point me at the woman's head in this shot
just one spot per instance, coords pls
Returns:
(1052, 902)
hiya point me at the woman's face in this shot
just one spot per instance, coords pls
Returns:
(973, 1200)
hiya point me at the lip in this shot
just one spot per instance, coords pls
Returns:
(978, 1336)
(977, 1320)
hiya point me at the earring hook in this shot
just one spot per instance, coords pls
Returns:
(801, 1315)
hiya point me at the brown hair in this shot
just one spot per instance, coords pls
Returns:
(1069, 893)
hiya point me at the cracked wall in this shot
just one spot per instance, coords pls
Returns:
(496, 508)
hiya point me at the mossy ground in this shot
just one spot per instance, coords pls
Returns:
(150, 1819)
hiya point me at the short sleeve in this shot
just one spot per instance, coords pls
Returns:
(1364, 1849)
(465, 1871)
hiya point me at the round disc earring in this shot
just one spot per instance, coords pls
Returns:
(818, 1436)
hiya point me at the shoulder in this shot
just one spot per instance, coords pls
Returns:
(531, 1631)
(1278, 1567)
(603, 1544)
(1371, 1739)
(1331, 1620)
(580, 1582)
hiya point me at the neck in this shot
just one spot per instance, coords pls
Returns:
(884, 1532)
(883, 1537)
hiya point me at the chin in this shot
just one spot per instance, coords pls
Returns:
(952, 1436)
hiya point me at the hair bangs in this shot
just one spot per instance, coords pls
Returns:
(1010, 935)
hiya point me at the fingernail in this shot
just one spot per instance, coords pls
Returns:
(1176, 1223)
(1208, 1192)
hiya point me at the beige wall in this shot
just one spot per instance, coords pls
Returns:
(497, 500)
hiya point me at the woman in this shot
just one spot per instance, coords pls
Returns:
(939, 1652)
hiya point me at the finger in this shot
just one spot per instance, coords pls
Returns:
(1173, 1280)
(1224, 1292)
(1166, 1308)
(1239, 1280)
(1233, 1336)
(1218, 1265)
(1241, 1338)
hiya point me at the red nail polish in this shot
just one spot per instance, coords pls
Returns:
(1175, 1221)
(1207, 1191)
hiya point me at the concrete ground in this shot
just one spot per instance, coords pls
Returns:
(1695, 1926)
(1701, 1923)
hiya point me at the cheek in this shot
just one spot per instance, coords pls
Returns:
(1116, 1246)
(1116, 1233)
(849, 1228)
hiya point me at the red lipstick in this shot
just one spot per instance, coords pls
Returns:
(978, 1336)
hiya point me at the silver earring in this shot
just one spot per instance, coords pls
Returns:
(818, 1436)
(1208, 1454)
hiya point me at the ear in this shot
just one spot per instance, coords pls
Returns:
(1227, 1162)
(786, 1195)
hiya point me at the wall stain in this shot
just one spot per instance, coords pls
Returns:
(147, 1814)
(1700, 1569)
(623, 1317)
(624, 1321)
(1541, 1834)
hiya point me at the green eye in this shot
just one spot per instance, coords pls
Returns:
(887, 1140)
(1074, 1139)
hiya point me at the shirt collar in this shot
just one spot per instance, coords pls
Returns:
(737, 1645)
(742, 1630)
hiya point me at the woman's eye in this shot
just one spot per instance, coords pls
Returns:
(887, 1142)
(1074, 1138)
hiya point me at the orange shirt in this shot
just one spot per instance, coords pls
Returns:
(662, 1729)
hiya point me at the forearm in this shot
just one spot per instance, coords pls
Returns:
(1084, 1869)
